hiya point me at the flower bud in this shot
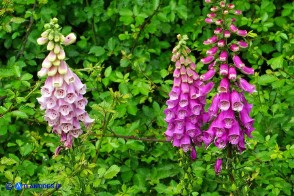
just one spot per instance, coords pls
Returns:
(214, 8)
(51, 35)
(224, 69)
(51, 56)
(238, 12)
(218, 30)
(208, 20)
(219, 22)
(242, 33)
(221, 43)
(56, 48)
(62, 69)
(42, 40)
(52, 71)
(223, 56)
(232, 74)
(207, 59)
(69, 39)
(43, 72)
(46, 63)
(50, 45)
(234, 47)
(56, 62)
(61, 55)
(243, 44)
(231, 6)
(212, 51)
(211, 15)
(233, 28)
(227, 34)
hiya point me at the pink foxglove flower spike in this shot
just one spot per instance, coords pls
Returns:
(62, 94)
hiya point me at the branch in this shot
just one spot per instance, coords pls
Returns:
(20, 53)
(132, 137)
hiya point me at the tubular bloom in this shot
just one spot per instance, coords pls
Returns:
(227, 118)
(185, 107)
(62, 94)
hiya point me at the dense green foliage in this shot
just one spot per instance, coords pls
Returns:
(123, 55)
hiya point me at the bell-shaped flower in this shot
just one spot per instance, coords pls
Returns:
(79, 86)
(218, 166)
(205, 89)
(57, 81)
(68, 142)
(243, 44)
(195, 107)
(61, 92)
(185, 87)
(66, 125)
(228, 118)
(224, 101)
(208, 75)
(185, 143)
(234, 47)
(224, 85)
(51, 102)
(218, 30)
(233, 28)
(64, 107)
(222, 141)
(182, 113)
(232, 73)
(223, 56)
(245, 119)
(242, 33)
(175, 93)
(169, 114)
(71, 97)
(193, 154)
(238, 62)
(212, 51)
(221, 43)
(227, 34)
(52, 114)
(224, 69)
(236, 102)
(47, 89)
(234, 133)
(246, 86)
(247, 70)
(207, 59)
(69, 77)
(213, 109)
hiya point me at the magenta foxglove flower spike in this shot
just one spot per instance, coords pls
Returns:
(229, 118)
(62, 95)
(185, 107)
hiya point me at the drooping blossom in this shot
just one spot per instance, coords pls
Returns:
(63, 92)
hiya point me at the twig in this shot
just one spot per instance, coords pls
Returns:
(132, 137)
(28, 33)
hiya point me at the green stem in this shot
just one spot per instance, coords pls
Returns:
(230, 168)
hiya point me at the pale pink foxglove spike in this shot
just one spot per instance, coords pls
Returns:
(61, 91)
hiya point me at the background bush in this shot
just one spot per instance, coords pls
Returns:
(123, 55)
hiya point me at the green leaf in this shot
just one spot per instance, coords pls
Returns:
(26, 76)
(108, 71)
(8, 175)
(19, 114)
(7, 161)
(265, 79)
(26, 149)
(276, 62)
(17, 20)
(97, 50)
(111, 172)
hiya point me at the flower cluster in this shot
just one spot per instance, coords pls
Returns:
(227, 118)
(185, 112)
(62, 94)
(229, 111)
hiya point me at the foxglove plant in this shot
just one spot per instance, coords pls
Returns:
(62, 95)
(185, 107)
(229, 119)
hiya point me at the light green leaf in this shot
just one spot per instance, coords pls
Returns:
(111, 172)
(276, 62)
(97, 50)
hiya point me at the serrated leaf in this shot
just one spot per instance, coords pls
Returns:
(111, 172)
(276, 62)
